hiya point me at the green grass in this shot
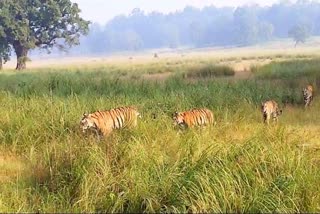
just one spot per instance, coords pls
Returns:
(209, 71)
(239, 165)
(295, 70)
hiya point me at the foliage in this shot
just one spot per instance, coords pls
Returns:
(246, 25)
(299, 33)
(299, 69)
(209, 26)
(5, 49)
(28, 24)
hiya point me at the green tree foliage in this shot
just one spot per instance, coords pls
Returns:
(193, 27)
(265, 31)
(197, 32)
(28, 24)
(246, 26)
(5, 50)
(299, 33)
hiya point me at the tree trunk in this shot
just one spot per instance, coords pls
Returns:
(0, 62)
(22, 53)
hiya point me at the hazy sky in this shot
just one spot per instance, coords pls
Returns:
(103, 10)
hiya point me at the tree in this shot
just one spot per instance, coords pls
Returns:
(96, 41)
(246, 25)
(265, 31)
(28, 24)
(197, 31)
(131, 40)
(5, 50)
(299, 33)
(209, 26)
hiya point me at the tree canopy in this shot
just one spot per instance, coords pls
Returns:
(5, 50)
(28, 24)
(56, 23)
(299, 33)
(209, 26)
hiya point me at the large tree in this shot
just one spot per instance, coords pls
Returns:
(299, 33)
(29, 24)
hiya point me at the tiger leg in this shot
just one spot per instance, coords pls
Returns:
(307, 101)
(97, 133)
(275, 117)
(98, 136)
(106, 132)
(310, 100)
(135, 123)
(264, 117)
(268, 118)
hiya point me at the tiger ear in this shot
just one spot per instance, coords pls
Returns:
(85, 114)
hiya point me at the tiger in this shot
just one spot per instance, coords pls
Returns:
(193, 117)
(103, 122)
(270, 109)
(307, 95)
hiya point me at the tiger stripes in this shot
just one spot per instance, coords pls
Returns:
(307, 95)
(270, 109)
(193, 117)
(103, 122)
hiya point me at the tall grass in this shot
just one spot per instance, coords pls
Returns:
(239, 165)
(209, 71)
(308, 69)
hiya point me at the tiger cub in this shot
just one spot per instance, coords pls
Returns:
(270, 109)
(194, 117)
(103, 122)
(307, 95)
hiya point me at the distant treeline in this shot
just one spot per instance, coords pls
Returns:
(210, 26)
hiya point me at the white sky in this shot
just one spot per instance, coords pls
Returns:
(103, 10)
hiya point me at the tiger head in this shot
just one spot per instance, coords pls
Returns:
(87, 123)
(178, 118)
(305, 92)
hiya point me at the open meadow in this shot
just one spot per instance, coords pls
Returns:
(238, 165)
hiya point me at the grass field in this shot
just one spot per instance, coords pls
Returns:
(239, 165)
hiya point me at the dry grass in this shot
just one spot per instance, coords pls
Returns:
(238, 58)
(11, 167)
